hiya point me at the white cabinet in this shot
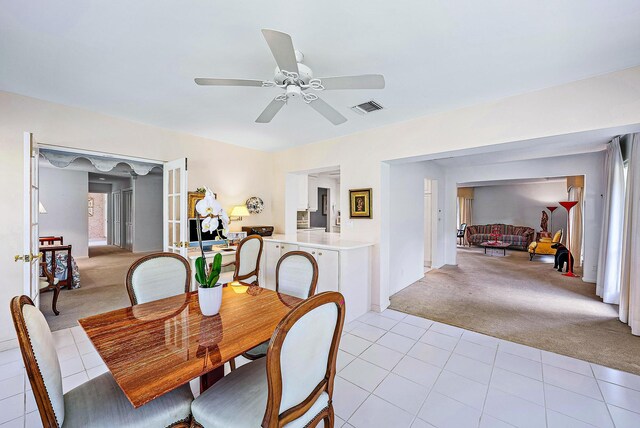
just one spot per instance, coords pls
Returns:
(328, 268)
(313, 193)
(272, 253)
(303, 192)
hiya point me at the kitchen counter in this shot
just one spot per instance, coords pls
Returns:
(329, 241)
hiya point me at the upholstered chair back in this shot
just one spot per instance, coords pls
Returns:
(297, 274)
(557, 237)
(301, 360)
(40, 359)
(157, 276)
(248, 259)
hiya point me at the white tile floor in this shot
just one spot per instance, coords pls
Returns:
(397, 370)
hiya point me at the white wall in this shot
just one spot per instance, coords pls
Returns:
(147, 213)
(235, 173)
(64, 195)
(520, 204)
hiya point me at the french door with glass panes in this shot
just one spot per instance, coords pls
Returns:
(176, 222)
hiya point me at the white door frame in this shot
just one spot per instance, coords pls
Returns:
(123, 222)
(30, 256)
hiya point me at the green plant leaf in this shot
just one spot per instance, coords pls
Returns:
(200, 275)
(216, 267)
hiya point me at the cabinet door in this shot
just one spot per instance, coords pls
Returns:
(328, 268)
(303, 192)
(313, 193)
(271, 257)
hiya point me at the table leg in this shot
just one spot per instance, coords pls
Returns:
(208, 379)
(485, 250)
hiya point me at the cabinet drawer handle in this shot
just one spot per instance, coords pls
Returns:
(319, 254)
(313, 252)
(277, 246)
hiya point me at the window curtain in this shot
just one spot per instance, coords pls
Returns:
(466, 212)
(630, 273)
(610, 257)
(575, 232)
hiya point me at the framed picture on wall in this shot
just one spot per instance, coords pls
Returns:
(360, 203)
(194, 197)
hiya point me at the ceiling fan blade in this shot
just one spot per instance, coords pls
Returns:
(365, 81)
(281, 47)
(203, 81)
(331, 114)
(270, 111)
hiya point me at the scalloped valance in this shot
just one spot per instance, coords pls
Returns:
(102, 163)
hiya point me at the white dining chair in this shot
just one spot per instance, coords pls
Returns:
(296, 275)
(157, 276)
(247, 262)
(293, 386)
(96, 403)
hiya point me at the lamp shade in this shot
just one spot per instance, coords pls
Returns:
(239, 211)
(41, 208)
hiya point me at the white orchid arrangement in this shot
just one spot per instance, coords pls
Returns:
(210, 212)
(211, 217)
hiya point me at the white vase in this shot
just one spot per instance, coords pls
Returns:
(210, 300)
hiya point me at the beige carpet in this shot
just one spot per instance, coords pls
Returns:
(101, 287)
(525, 302)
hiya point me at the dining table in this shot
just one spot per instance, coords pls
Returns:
(155, 347)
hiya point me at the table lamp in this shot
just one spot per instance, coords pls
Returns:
(238, 212)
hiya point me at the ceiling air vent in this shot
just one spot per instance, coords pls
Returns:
(367, 107)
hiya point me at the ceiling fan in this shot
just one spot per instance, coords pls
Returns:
(297, 79)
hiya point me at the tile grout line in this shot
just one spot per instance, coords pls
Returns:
(606, 404)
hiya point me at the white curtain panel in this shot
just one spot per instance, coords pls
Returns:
(610, 257)
(630, 284)
(575, 194)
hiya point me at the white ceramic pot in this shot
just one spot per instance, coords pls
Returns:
(210, 300)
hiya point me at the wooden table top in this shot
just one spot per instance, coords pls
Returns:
(155, 347)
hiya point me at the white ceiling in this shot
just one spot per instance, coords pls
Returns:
(137, 59)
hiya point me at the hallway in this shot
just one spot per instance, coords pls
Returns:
(101, 289)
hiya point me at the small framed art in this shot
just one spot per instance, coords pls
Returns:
(360, 203)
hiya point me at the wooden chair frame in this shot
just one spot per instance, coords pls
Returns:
(134, 266)
(45, 408)
(31, 365)
(52, 286)
(51, 240)
(236, 262)
(53, 249)
(273, 418)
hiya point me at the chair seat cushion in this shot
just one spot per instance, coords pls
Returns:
(240, 400)
(258, 351)
(101, 403)
(44, 283)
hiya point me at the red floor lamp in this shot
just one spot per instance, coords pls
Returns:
(568, 205)
(551, 210)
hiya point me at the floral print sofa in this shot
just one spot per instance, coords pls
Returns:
(517, 236)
